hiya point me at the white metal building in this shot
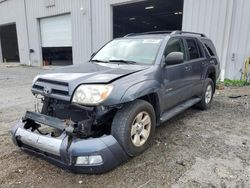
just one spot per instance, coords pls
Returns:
(69, 31)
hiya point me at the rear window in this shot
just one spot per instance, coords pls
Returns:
(210, 47)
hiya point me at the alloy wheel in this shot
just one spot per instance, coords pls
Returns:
(140, 129)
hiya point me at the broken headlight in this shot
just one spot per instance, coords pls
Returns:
(91, 94)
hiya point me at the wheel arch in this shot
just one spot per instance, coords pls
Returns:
(149, 91)
(153, 99)
(211, 73)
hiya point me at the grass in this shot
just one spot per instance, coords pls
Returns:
(239, 83)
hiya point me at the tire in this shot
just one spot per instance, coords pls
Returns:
(205, 103)
(126, 119)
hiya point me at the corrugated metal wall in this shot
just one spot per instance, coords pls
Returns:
(91, 25)
(221, 20)
(102, 20)
(102, 31)
(227, 23)
(207, 17)
(81, 26)
(12, 11)
(239, 48)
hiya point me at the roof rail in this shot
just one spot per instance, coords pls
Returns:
(187, 32)
(177, 32)
(150, 32)
(158, 32)
(130, 34)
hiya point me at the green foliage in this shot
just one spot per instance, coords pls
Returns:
(238, 83)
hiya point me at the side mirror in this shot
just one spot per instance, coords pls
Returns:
(174, 58)
(93, 55)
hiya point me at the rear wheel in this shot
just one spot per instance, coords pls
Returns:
(133, 126)
(207, 94)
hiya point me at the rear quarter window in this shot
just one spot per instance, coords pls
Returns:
(210, 47)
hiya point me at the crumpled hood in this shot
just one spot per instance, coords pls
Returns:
(60, 83)
(91, 73)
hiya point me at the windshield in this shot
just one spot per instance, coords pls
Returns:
(141, 51)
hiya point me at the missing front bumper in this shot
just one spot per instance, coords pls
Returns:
(65, 149)
(81, 129)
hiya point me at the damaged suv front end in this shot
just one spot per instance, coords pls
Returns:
(93, 155)
(67, 133)
(75, 107)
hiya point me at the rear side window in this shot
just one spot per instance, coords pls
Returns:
(210, 47)
(193, 49)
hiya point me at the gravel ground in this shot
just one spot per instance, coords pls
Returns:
(195, 149)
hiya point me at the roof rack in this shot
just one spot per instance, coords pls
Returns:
(177, 32)
(150, 32)
(187, 32)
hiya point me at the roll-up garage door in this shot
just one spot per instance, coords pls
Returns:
(56, 31)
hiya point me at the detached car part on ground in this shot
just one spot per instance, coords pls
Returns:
(93, 116)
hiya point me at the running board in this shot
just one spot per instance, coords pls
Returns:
(178, 109)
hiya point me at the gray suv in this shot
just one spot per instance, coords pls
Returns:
(93, 116)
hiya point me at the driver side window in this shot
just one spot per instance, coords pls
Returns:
(174, 45)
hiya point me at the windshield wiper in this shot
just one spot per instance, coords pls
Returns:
(122, 61)
(98, 61)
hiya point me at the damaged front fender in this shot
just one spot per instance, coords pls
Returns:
(141, 89)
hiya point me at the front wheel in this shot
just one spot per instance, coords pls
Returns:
(133, 126)
(207, 95)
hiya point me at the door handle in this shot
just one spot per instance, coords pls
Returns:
(188, 68)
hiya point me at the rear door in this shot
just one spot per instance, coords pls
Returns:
(197, 60)
(212, 55)
(176, 78)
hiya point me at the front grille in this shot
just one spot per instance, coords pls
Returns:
(38, 87)
(54, 87)
(52, 82)
(59, 92)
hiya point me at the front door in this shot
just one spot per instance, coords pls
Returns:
(176, 78)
